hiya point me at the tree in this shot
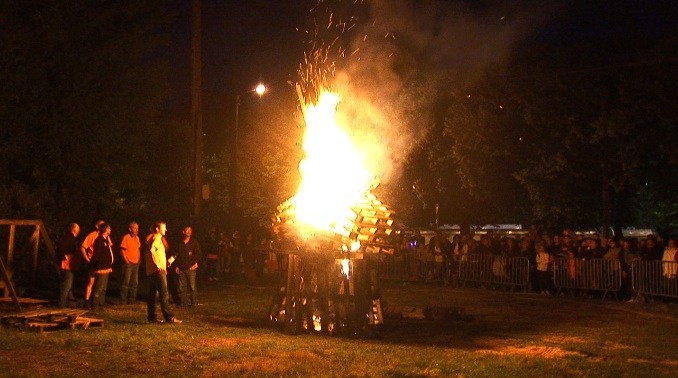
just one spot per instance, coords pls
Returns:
(82, 87)
(581, 129)
(269, 151)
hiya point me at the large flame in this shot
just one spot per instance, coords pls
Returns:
(334, 176)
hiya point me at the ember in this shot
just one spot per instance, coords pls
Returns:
(331, 231)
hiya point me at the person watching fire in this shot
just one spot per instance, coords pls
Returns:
(188, 254)
(156, 270)
(130, 247)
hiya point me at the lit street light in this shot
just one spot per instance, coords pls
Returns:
(260, 90)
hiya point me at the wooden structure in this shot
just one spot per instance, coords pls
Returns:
(330, 283)
(51, 320)
(38, 234)
(322, 291)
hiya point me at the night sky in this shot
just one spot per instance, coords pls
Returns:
(245, 42)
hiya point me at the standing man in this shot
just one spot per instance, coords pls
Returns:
(87, 247)
(130, 249)
(101, 265)
(188, 254)
(87, 250)
(156, 270)
(69, 253)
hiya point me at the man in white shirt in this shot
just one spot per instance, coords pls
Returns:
(156, 270)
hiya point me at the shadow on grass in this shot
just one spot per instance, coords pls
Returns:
(458, 332)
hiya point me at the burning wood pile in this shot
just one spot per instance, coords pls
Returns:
(368, 223)
(331, 233)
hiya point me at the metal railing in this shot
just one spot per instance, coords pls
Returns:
(655, 278)
(587, 274)
(647, 278)
(495, 270)
(401, 267)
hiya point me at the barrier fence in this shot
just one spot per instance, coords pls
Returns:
(655, 278)
(477, 268)
(403, 267)
(495, 270)
(646, 278)
(587, 274)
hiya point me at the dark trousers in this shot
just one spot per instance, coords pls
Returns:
(543, 280)
(157, 285)
(66, 286)
(188, 291)
(130, 282)
(99, 292)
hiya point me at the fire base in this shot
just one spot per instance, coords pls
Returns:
(326, 293)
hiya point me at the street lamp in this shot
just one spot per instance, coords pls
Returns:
(260, 90)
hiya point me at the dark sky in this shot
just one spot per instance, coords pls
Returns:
(244, 43)
(247, 41)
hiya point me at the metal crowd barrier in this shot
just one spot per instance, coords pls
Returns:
(484, 269)
(403, 267)
(649, 278)
(499, 270)
(656, 278)
(587, 274)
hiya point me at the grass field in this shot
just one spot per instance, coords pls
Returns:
(503, 335)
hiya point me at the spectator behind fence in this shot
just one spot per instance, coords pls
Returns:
(650, 250)
(629, 255)
(670, 259)
(543, 263)
(211, 256)
(439, 247)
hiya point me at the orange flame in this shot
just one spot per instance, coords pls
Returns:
(334, 176)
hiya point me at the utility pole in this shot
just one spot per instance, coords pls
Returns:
(196, 107)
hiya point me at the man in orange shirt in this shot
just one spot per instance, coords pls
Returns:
(87, 250)
(87, 246)
(130, 249)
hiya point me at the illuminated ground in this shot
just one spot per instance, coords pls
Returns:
(498, 334)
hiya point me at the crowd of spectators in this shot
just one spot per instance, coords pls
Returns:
(230, 257)
(438, 259)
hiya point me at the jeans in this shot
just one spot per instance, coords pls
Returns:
(66, 286)
(99, 291)
(130, 282)
(157, 285)
(187, 287)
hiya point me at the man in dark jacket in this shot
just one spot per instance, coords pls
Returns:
(68, 250)
(101, 265)
(188, 254)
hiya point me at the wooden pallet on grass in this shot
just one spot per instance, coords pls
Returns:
(51, 320)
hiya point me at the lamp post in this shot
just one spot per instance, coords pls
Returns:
(260, 90)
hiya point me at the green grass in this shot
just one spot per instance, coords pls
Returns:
(507, 334)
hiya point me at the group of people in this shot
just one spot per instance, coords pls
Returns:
(94, 257)
(233, 257)
(439, 259)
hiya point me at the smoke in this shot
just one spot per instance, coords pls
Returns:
(405, 58)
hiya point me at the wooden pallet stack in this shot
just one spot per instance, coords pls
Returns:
(370, 222)
(331, 284)
(51, 320)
